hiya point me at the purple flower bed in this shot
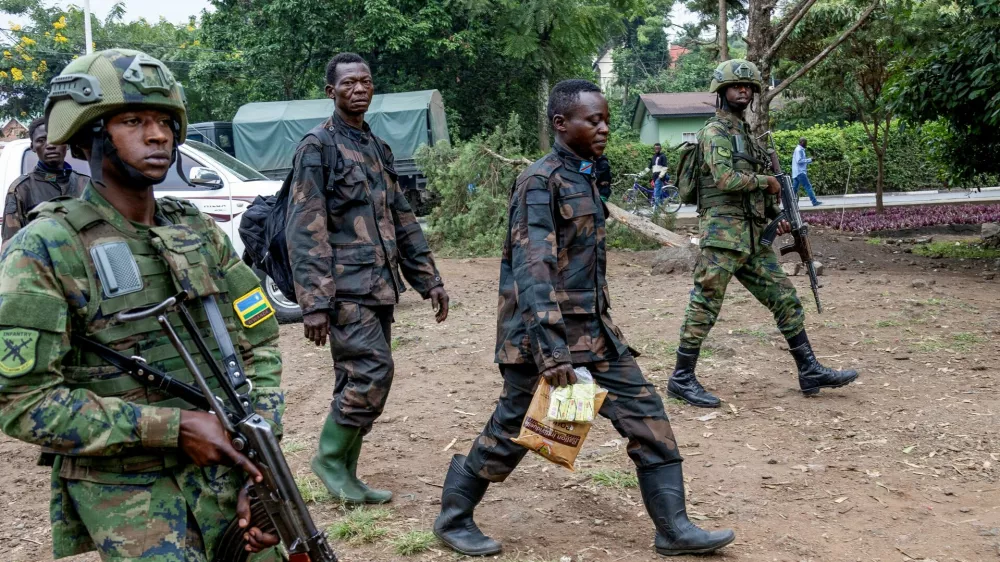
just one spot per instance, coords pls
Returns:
(902, 217)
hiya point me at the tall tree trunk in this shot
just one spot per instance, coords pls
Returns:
(760, 36)
(723, 31)
(544, 144)
(880, 179)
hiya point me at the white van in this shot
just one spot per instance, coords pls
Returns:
(223, 189)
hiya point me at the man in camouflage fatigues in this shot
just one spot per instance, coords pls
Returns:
(736, 198)
(553, 314)
(349, 231)
(136, 473)
(51, 178)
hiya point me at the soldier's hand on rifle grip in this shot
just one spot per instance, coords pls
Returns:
(257, 540)
(205, 442)
(317, 326)
(439, 302)
(784, 228)
(560, 375)
(773, 187)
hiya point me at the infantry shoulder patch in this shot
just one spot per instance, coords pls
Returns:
(253, 308)
(586, 167)
(724, 152)
(17, 351)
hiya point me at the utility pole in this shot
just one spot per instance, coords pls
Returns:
(88, 36)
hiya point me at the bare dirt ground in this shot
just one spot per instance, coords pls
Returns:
(902, 465)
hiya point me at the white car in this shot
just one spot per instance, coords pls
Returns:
(223, 189)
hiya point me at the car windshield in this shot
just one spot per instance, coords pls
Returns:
(237, 168)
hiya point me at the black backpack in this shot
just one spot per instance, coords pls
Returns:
(262, 227)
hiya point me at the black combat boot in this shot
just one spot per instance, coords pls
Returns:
(684, 385)
(662, 490)
(812, 375)
(454, 525)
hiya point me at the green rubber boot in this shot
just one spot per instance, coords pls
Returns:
(332, 460)
(372, 495)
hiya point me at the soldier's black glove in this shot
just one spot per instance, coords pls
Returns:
(602, 171)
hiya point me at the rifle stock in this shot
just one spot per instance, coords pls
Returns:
(799, 229)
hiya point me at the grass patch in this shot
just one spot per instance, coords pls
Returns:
(933, 302)
(830, 324)
(887, 324)
(965, 340)
(875, 241)
(618, 479)
(967, 250)
(361, 526)
(753, 332)
(397, 342)
(312, 490)
(292, 447)
(413, 542)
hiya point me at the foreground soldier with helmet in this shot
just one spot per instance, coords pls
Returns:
(736, 198)
(136, 473)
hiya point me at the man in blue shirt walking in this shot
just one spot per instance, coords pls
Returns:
(799, 164)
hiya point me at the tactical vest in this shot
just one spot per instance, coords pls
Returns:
(170, 259)
(747, 158)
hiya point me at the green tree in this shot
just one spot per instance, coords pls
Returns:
(958, 81)
(34, 53)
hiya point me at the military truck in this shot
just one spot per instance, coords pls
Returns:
(266, 134)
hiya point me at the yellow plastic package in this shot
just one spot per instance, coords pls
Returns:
(558, 441)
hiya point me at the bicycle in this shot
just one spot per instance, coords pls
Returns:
(639, 196)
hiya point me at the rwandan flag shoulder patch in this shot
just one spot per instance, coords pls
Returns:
(253, 308)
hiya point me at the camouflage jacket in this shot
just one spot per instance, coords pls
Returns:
(733, 202)
(30, 190)
(553, 305)
(49, 292)
(350, 228)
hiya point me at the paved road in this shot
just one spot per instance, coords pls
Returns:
(866, 200)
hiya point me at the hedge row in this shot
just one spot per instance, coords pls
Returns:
(843, 158)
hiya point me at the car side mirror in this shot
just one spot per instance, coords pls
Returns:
(205, 177)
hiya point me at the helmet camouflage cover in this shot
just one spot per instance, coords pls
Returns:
(107, 82)
(736, 71)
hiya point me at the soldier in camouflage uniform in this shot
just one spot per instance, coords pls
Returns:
(736, 198)
(349, 231)
(554, 315)
(136, 474)
(51, 178)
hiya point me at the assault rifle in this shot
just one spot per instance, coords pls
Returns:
(276, 504)
(800, 229)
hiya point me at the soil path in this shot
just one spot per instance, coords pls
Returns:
(900, 466)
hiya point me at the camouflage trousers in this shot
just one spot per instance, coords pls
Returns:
(361, 345)
(174, 515)
(759, 272)
(632, 405)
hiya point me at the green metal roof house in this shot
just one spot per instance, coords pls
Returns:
(670, 119)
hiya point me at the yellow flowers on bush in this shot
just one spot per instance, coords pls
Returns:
(16, 74)
(61, 23)
(60, 38)
(28, 41)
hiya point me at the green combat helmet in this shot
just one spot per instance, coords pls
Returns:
(736, 71)
(99, 85)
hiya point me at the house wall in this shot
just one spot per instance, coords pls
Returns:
(606, 70)
(670, 131)
(649, 132)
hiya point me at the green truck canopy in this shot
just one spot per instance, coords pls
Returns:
(267, 133)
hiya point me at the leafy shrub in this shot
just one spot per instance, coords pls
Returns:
(902, 217)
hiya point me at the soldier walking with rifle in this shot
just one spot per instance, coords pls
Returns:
(111, 394)
(736, 199)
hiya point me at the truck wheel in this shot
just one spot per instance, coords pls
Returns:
(285, 310)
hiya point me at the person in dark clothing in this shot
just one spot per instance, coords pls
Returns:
(553, 315)
(51, 178)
